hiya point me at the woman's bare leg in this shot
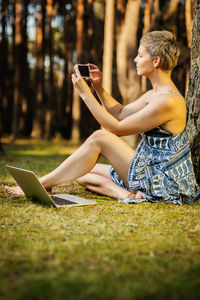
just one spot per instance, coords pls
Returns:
(82, 161)
(98, 180)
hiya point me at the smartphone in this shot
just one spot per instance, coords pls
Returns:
(84, 70)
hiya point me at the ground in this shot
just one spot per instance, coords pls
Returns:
(106, 251)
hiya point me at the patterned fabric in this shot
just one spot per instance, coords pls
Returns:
(162, 169)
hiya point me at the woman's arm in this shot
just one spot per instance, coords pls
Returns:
(150, 116)
(111, 105)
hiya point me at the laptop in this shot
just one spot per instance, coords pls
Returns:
(33, 189)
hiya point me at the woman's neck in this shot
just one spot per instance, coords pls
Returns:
(161, 81)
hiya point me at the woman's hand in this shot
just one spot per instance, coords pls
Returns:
(79, 83)
(95, 76)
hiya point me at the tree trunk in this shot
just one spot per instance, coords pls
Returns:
(49, 114)
(189, 7)
(26, 118)
(76, 111)
(4, 69)
(171, 10)
(64, 112)
(108, 45)
(189, 20)
(38, 122)
(193, 96)
(91, 33)
(17, 43)
(127, 44)
(128, 81)
(155, 15)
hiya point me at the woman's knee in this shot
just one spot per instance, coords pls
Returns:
(92, 180)
(99, 135)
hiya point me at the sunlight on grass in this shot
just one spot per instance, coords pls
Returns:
(106, 251)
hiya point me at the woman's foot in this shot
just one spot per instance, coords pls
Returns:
(135, 197)
(17, 191)
(14, 190)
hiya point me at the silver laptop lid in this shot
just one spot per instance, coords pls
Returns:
(30, 185)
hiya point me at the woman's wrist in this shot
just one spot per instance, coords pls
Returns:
(86, 95)
(99, 89)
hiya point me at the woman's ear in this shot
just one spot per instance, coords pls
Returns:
(157, 62)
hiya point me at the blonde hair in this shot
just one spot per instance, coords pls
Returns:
(162, 44)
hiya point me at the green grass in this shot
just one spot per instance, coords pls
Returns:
(106, 251)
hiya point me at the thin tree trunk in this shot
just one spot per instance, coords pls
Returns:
(26, 118)
(146, 28)
(189, 20)
(147, 16)
(17, 99)
(76, 111)
(4, 69)
(171, 10)
(193, 96)
(64, 113)
(51, 97)
(108, 45)
(38, 128)
(155, 15)
(127, 44)
(91, 33)
(128, 81)
(189, 6)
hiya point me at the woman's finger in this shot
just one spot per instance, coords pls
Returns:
(92, 66)
(77, 71)
(73, 78)
(94, 70)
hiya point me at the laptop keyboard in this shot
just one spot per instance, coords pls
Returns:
(60, 201)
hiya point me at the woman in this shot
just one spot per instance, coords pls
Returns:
(161, 168)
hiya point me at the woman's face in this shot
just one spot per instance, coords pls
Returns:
(144, 62)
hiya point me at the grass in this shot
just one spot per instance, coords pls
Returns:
(106, 251)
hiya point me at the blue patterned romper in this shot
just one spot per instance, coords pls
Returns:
(161, 169)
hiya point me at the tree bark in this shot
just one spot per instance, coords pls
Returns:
(171, 10)
(193, 96)
(128, 81)
(64, 112)
(38, 127)
(91, 32)
(49, 114)
(189, 20)
(4, 70)
(17, 44)
(27, 108)
(127, 44)
(108, 45)
(76, 111)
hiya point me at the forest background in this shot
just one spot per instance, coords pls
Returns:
(41, 41)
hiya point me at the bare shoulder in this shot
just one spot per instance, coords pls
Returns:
(176, 106)
(173, 101)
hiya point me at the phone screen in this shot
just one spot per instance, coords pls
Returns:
(84, 70)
